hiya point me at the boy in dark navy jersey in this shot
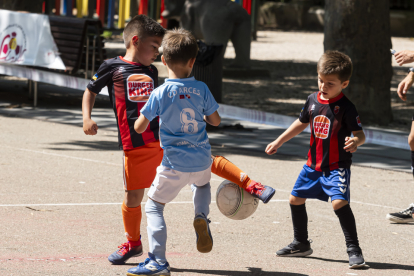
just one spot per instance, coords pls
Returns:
(332, 119)
(130, 81)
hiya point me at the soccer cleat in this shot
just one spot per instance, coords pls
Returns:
(150, 267)
(296, 249)
(404, 216)
(356, 260)
(262, 192)
(204, 238)
(125, 252)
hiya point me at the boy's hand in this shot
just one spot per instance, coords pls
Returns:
(351, 144)
(272, 147)
(404, 57)
(90, 127)
(405, 85)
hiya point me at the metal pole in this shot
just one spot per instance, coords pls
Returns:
(35, 94)
(111, 10)
(87, 57)
(30, 86)
(93, 55)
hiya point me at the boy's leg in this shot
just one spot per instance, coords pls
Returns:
(139, 170)
(227, 170)
(411, 144)
(406, 215)
(157, 230)
(300, 246)
(307, 186)
(156, 263)
(347, 220)
(202, 198)
(336, 184)
(299, 218)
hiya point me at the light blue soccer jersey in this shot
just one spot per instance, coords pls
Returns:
(181, 105)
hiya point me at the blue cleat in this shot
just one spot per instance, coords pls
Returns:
(262, 192)
(125, 252)
(204, 238)
(150, 267)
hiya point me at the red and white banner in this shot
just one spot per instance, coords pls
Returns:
(26, 39)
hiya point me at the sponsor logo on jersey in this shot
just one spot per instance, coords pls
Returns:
(182, 97)
(313, 107)
(336, 109)
(358, 121)
(188, 96)
(139, 87)
(95, 77)
(321, 126)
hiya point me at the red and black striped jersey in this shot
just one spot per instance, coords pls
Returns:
(330, 122)
(129, 86)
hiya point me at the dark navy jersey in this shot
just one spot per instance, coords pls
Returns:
(129, 86)
(330, 122)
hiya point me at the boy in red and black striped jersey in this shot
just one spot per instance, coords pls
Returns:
(130, 81)
(332, 118)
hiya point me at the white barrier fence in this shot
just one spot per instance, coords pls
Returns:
(226, 111)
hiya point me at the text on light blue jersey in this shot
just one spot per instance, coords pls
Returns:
(181, 105)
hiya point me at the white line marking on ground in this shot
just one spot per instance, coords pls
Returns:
(105, 203)
(376, 205)
(66, 156)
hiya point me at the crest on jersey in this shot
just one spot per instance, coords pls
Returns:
(358, 121)
(12, 43)
(336, 109)
(139, 87)
(321, 125)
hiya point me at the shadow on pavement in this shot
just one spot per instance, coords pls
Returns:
(372, 265)
(87, 145)
(252, 271)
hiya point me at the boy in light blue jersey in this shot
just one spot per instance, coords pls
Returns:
(183, 105)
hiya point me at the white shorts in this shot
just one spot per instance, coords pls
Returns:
(168, 182)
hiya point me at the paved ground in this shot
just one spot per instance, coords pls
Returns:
(60, 197)
(60, 212)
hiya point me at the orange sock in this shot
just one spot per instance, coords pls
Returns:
(132, 223)
(224, 168)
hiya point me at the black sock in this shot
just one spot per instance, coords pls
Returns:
(300, 222)
(347, 220)
(412, 162)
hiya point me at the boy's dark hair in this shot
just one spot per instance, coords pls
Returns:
(179, 46)
(143, 27)
(335, 62)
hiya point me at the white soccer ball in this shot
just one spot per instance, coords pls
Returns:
(234, 202)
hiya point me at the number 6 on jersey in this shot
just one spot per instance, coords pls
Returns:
(188, 121)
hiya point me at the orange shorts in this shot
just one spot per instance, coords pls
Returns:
(140, 166)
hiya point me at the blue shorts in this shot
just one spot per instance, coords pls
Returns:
(323, 185)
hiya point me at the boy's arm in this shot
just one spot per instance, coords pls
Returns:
(351, 144)
(213, 119)
(141, 124)
(295, 128)
(88, 100)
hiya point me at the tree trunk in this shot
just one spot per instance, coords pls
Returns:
(32, 6)
(361, 29)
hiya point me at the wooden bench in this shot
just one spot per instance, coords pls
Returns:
(80, 43)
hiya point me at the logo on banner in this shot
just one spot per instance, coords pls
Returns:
(336, 109)
(12, 43)
(140, 87)
(358, 121)
(321, 126)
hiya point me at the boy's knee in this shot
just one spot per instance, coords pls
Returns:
(153, 207)
(339, 203)
(133, 198)
(294, 200)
